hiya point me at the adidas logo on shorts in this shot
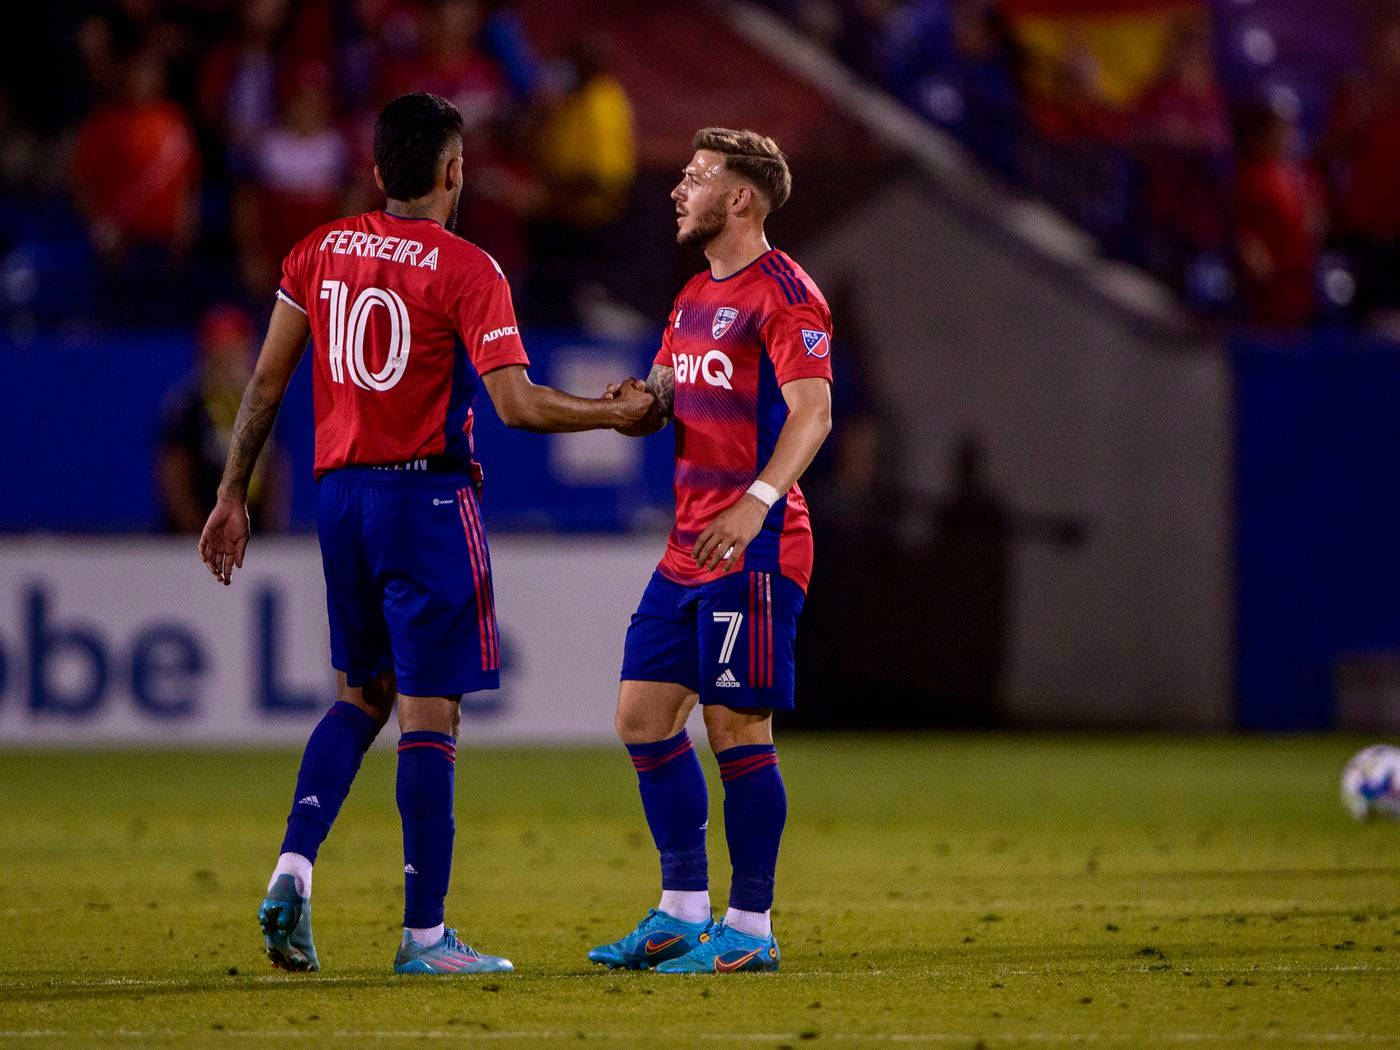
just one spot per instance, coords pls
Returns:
(409, 869)
(310, 800)
(726, 680)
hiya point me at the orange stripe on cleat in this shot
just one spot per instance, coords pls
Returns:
(723, 967)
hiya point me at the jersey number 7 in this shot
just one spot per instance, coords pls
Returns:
(731, 633)
(347, 335)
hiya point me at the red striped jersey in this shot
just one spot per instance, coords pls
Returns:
(405, 319)
(733, 343)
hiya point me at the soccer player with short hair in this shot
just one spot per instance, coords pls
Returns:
(745, 372)
(408, 321)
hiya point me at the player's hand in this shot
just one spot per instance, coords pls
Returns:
(724, 542)
(224, 539)
(614, 390)
(635, 404)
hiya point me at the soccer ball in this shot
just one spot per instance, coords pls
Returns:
(1371, 782)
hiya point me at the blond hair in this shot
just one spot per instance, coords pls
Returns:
(755, 157)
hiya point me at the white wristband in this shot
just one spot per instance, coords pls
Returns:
(764, 493)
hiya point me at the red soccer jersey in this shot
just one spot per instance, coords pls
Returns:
(405, 319)
(733, 343)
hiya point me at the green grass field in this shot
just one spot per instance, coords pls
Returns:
(933, 890)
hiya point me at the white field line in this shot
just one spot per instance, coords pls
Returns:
(389, 980)
(311, 983)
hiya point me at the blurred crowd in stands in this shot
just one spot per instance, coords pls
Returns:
(157, 156)
(1226, 167)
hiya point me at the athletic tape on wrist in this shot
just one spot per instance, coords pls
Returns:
(764, 493)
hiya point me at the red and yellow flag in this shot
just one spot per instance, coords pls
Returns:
(1127, 40)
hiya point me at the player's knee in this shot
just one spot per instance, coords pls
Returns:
(651, 711)
(433, 714)
(639, 725)
(631, 725)
(378, 696)
(727, 727)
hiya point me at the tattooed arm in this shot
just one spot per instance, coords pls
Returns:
(544, 410)
(225, 535)
(661, 382)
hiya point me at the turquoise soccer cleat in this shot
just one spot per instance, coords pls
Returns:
(448, 955)
(285, 918)
(725, 950)
(658, 937)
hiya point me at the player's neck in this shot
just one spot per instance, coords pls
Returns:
(421, 208)
(734, 249)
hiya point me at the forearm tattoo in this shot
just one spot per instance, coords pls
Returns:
(256, 414)
(662, 384)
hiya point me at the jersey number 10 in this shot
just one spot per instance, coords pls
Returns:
(347, 335)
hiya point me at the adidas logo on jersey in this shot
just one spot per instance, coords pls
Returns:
(726, 680)
(309, 800)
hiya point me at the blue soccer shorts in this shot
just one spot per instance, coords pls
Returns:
(730, 640)
(408, 580)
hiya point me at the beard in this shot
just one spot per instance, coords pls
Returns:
(452, 216)
(707, 227)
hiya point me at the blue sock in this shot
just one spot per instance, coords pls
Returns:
(677, 806)
(328, 767)
(755, 810)
(427, 764)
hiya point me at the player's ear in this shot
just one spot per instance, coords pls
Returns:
(379, 180)
(453, 176)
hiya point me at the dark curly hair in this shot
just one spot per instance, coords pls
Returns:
(409, 138)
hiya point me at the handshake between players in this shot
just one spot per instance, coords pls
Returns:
(408, 324)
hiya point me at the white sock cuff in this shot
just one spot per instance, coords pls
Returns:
(686, 905)
(754, 923)
(298, 867)
(423, 938)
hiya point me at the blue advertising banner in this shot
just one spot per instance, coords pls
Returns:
(84, 416)
(1318, 516)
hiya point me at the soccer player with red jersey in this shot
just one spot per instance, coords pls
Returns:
(745, 372)
(407, 321)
